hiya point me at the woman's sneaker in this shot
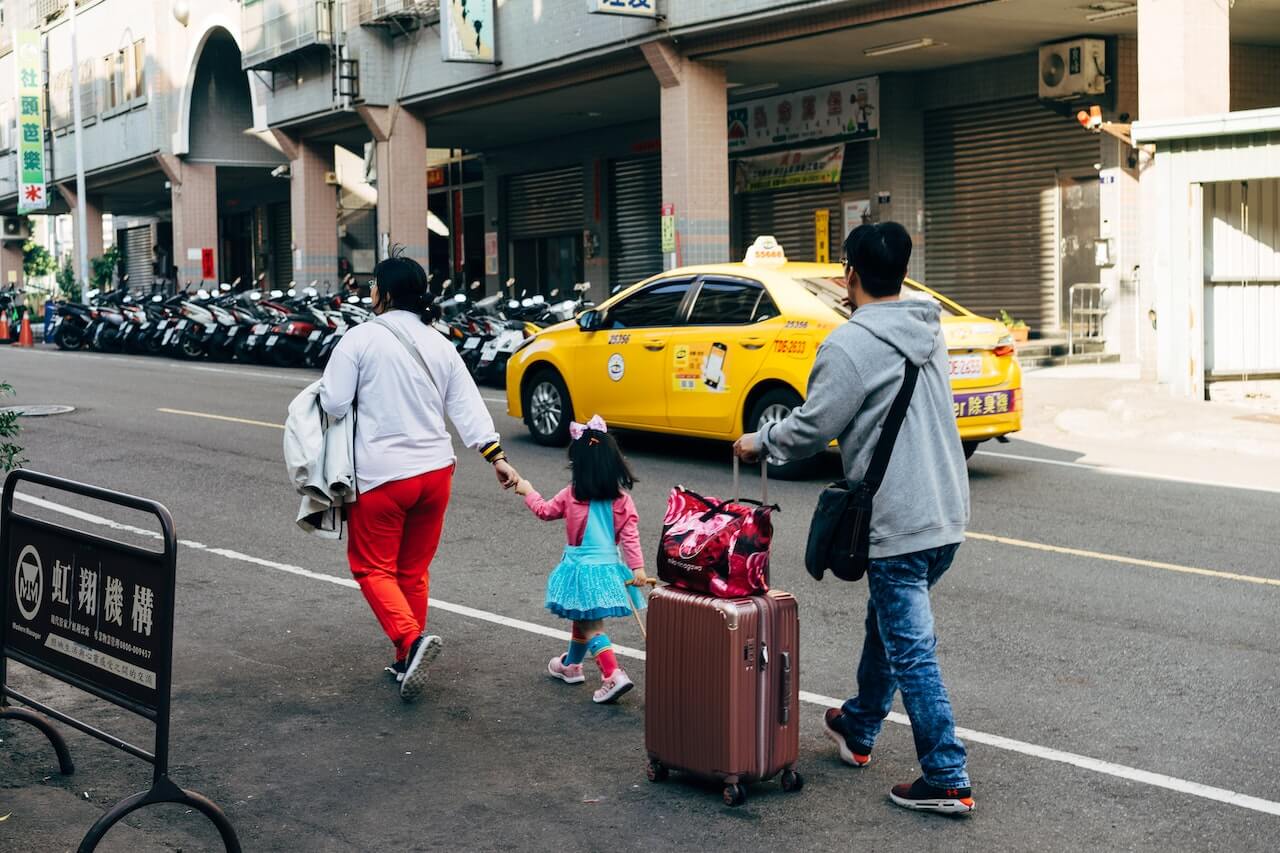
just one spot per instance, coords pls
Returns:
(612, 687)
(569, 673)
(851, 752)
(425, 649)
(921, 796)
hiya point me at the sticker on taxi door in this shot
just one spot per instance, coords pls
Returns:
(700, 367)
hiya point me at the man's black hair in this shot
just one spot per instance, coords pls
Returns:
(879, 253)
(600, 471)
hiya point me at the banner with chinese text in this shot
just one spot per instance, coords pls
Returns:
(630, 8)
(31, 176)
(805, 167)
(466, 30)
(850, 110)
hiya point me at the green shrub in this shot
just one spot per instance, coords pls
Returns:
(10, 453)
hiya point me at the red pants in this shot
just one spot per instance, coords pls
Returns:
(393, 533)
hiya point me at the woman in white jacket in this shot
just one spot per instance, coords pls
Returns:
(404, 458)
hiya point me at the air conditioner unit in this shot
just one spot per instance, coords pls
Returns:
(1073, 69)
(15, 228)
(331, 178)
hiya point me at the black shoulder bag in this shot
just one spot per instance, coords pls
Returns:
(840, 533)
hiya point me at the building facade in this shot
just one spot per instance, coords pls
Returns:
(545, 143)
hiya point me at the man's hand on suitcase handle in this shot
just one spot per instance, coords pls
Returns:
(747, 447)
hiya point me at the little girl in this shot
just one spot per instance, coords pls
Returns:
(590, 583)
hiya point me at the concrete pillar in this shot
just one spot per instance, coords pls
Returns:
(695, 153)
(194, 191)
(93, 220)
(1184, 69)
(1184, 58)
(897, 166)
(11, 263)
(400, 140)
(313, 210)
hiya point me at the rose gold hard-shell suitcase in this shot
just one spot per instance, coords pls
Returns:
(722, 688)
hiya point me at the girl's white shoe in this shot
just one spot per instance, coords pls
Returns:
(570, 673)
(612, 687)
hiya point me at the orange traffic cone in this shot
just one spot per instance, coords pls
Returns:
(25, 338)
(4, 327)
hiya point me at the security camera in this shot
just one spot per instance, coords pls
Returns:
(281, 172)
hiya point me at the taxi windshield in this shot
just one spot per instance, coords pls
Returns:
(833, 294)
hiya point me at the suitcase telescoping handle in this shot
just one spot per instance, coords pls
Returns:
(764, 479)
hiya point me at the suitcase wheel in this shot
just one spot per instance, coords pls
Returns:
(656, 772)
(734, 795)
(792, 781)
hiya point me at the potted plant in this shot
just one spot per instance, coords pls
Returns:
(1017, 328)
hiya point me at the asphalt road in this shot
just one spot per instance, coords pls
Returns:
(1072, 665)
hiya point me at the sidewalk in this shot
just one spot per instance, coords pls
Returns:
(1114, 420)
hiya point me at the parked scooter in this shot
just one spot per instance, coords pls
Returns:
(71, 322)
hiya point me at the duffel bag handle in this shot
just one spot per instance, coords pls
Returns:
(764, 480)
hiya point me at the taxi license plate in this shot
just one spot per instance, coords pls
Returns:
(271, 341)
(983, 404)
(966, 366)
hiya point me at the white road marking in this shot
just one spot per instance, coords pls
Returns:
(1107, 768)
(163, 363)
(1130, 472)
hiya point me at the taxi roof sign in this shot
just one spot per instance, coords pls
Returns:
(765, 252)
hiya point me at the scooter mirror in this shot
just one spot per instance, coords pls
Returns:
(276, 294)
(555, 291)
(475, 285)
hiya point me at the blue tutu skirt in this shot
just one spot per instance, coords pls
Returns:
(590, 584)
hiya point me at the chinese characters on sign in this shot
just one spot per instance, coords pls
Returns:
(632, 8)
(989, 403)
(466, 30)
(31, 177)
(850, 110)
(668, 228)
(800, 168)
(89, 609)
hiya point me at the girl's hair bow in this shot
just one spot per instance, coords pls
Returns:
(577, 430)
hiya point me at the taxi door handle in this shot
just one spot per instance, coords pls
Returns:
(654, 345)
(752, 343)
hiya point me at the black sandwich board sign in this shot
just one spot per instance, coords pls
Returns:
(98, 615)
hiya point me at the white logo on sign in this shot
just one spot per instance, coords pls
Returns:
(29, 582)
(617, 367)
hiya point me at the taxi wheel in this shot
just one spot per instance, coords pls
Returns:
(774, 406)
(547, 410)
(969, 447)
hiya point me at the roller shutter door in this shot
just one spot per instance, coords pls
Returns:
(635, 229)
(281, 244)
(991, 204)
(788, 214)
(138, 258)
(545, 203)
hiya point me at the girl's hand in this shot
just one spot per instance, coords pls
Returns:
(639, 579)
(523, 488)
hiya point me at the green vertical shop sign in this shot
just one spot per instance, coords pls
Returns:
(31, 176)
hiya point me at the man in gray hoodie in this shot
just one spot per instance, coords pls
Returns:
(919, 514)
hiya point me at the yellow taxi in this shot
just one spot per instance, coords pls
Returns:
(715, 351)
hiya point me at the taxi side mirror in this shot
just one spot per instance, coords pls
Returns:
(590, 321)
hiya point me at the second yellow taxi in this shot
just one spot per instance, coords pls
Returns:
(713, 351)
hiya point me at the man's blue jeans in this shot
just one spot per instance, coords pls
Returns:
(898, 654)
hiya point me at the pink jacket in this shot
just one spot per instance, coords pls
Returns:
(626, 522)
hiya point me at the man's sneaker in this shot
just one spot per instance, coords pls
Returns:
(612, 687)
(569, 673)
(851, 752)
(922, 796)
(396, 670)
(424, 651)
